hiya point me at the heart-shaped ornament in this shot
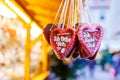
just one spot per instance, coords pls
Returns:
(93, 57)
(90, 38)
(82, 52)
(76, 53)
(73, 51)
(62, 41)
(47, 30)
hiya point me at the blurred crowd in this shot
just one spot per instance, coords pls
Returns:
(106, 67)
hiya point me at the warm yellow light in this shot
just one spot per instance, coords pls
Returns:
(42, 76)
(4, 12)
(35, 30)
(18, 11)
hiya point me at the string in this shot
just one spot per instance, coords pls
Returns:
(82, 10)
(77, 13)
(90, 20)
(73, 13)
(61, 16)
(69, 15)
(82, 15)
(66, 9)
(79, 17)
(57, 13)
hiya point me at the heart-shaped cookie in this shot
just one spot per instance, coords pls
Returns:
(62, 41)
(73, 51)
(82, 52)
(76, 53)
(93, 57)
(47, 30)
(90, 38)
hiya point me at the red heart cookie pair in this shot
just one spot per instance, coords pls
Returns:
(69, 42)
(90, 38)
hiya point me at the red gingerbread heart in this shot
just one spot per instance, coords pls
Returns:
(62, 41)
(73, 51)
(82, 52)
(90, 38)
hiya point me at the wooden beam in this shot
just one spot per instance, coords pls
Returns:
(39, 38)
(39, 13)
(43, 19)
(46, 4)
(43, 23)
(42, 76)
(20, 3)
(45, 50)
(27, 56)
(46, 16)
(40, 10)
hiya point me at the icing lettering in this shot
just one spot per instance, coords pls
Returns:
(86, 34)
(56, 38)
(91, 45)
(61, 42)
(90, 40)
(65, 39)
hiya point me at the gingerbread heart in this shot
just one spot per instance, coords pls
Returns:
(47, 30)
(73, 51)
(90, 38)
(76, 53)
(93, 57)
(62, 41)
(82, 52)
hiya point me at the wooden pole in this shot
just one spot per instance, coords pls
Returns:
(27, 56)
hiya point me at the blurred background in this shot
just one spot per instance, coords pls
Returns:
(25, 54)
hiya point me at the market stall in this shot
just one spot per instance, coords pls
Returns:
(22, 54)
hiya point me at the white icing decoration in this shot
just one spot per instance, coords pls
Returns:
(56, 38)
(91, 45)
(62, 50)
(86, 34)
(61, 40)
(90, 40)
(65, 39)
(61, 44)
